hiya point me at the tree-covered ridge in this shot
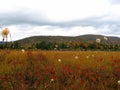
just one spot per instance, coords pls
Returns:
(85, 42)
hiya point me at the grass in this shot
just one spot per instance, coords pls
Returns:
(59, 70)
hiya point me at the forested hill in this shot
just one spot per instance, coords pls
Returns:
(83, 38)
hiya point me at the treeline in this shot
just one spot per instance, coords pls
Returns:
(71, 45)
(74, 45)
(10, 45)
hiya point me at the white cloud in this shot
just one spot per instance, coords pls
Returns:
(59, 10)
(67, 10)
(60, 17)
(18, 33)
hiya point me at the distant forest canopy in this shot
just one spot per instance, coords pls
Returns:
(84, 42)
(71, 45)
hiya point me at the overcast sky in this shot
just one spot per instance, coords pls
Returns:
(26, 18)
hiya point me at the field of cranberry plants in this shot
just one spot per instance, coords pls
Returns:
(59, 70)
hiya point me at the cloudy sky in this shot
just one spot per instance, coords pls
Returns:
(26, 18)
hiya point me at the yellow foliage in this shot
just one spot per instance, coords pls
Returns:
(5, 32)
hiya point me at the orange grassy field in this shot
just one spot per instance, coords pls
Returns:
(59, 70)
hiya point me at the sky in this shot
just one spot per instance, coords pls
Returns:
(26, 18)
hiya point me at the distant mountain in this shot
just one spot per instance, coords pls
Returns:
(26, 42)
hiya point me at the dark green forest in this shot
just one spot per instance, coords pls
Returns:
(71, 45)
(83, 43)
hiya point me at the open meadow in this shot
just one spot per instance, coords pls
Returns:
(59, 70)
